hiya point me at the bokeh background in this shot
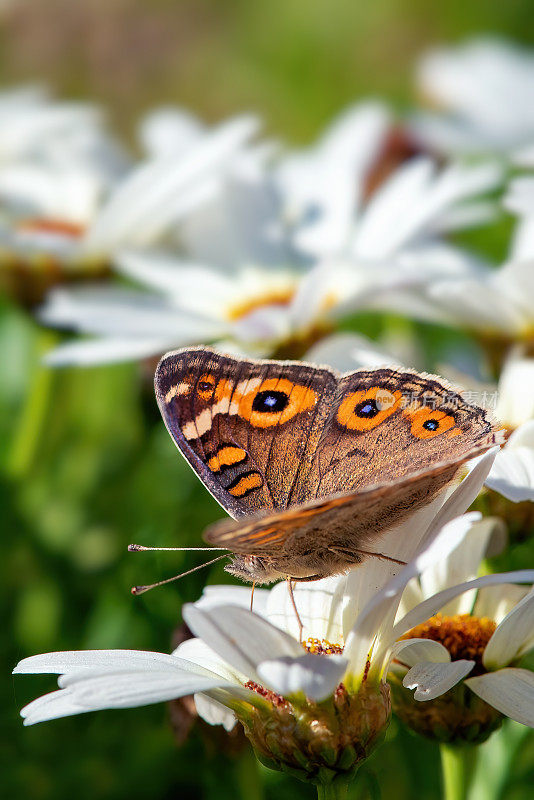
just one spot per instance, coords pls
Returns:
(87, 466)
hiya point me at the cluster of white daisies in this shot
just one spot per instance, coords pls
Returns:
(219, 237)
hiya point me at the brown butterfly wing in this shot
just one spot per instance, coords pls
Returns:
(326, 536)
(246, 427)
(386, 424)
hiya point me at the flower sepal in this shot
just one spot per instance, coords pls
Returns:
(318, 742)
(457, 717)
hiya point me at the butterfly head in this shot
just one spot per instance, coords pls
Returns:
(253, 569)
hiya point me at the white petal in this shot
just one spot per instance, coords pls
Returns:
(430, 680)
(512, 474)
(464, 495)
(513, 637)
(242, 638)
(92, 352)
(431, 606)
(125, 313)
(70, 660)
(323, 185)
(380, 611)
(116, 690)
(515, 403)
(413, 201)
(169, 130)
(159, 191)
(462, 564)
(437, 542)
(402, 542)
(319, 604)
(496, 602)
(51, 706)
(510, 691)
(411, 596)
(349, 351)
(201, 655)
(239, 225)
(315, 675)
(410, 652)
(213, 712)
(236, 596)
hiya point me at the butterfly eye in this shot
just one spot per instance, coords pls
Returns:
(364, 410)
(427, 422)
(269, 402)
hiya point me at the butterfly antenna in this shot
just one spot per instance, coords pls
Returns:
(139, 548)
(142, 589)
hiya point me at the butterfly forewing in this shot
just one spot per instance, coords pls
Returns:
(246, 427)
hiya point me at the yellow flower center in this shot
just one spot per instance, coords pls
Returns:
(464, 636)
(274, 297)
(322, 647)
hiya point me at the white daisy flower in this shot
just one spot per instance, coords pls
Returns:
(467, 673)
(245, 284)
(484, 87)
(250, 311)
(251, 665)
(72, 209)
(333, 215)
(494, 304)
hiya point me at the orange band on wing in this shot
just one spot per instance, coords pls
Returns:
(365, 409)
(227, 457)
(246, 484)
(427, 422)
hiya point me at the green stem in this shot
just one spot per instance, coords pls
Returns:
(32, 418)
(248, 776)
(457, 765)
(337, 790)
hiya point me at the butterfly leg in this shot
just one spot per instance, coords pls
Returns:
(292, 596)
(350, 554)
(383, 556)
(252, 594)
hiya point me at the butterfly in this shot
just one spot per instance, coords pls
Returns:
(311, 465)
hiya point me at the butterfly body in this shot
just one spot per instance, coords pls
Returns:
(313, 466)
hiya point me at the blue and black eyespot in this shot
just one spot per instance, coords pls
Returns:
(367, 409)
(431, 424)
(270, 401)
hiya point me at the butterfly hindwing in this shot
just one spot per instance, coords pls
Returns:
(246, 427)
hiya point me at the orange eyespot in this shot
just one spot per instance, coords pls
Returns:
(427, 422)
(206, 387)
(365, 409)
(275, 401)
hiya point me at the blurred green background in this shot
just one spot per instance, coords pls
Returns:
(87, 466)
